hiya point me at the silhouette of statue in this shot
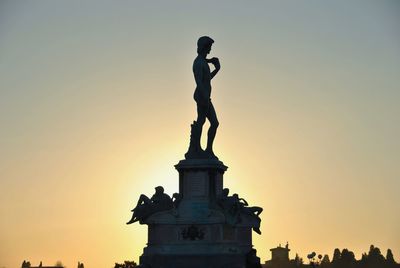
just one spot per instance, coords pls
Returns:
(233, 207)
(145, 206)
(227, 203)
(254, 212)
(202, 96)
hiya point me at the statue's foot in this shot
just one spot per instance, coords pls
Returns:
(195, 152)
(132, 220)
(210, 154)
(257, 230)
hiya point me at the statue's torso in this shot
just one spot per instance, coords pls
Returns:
(200, 65)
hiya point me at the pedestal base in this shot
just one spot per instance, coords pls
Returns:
(194, 261)
(198, 232)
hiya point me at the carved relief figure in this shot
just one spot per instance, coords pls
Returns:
(145, 206)
(234, 207)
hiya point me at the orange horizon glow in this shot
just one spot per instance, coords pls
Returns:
(96, 105)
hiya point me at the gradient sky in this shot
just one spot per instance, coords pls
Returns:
(96, 103)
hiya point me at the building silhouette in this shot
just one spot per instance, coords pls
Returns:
(344, 258)
(279, 257)
(27, 264)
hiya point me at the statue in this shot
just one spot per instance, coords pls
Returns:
(253, 212)
(202, 225)
(145, 206)
(228, 206)
(233, 207)
(202, 96)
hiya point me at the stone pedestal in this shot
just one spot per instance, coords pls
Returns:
(200, 184)
(195, 233)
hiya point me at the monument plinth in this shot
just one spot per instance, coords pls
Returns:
(196, 233)
(201, 226)
(201, 179)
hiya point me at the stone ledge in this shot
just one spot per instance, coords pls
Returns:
(201, 164)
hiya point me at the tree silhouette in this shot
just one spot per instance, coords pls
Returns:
(336, 258)
(347, 258)
(298, 261)
(336, 255)
(26, 264)
(375, 258)
(325, 262)
(126, 264)
(344, 258)
(389, 257)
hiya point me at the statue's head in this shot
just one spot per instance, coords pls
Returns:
(159, 190)
(204, 45)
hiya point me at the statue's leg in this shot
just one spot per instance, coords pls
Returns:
(133, 219)
(258, 210)
(212, 117)
(254, 210)
(143, 199)
(257, 228)
(201, 119)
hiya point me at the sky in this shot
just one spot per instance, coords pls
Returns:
(96, 105)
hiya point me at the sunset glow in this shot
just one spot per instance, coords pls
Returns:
(96, 102)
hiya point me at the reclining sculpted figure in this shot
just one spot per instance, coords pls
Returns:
(233, 207)
(253, 212)
(147, 206)
(227, 204)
